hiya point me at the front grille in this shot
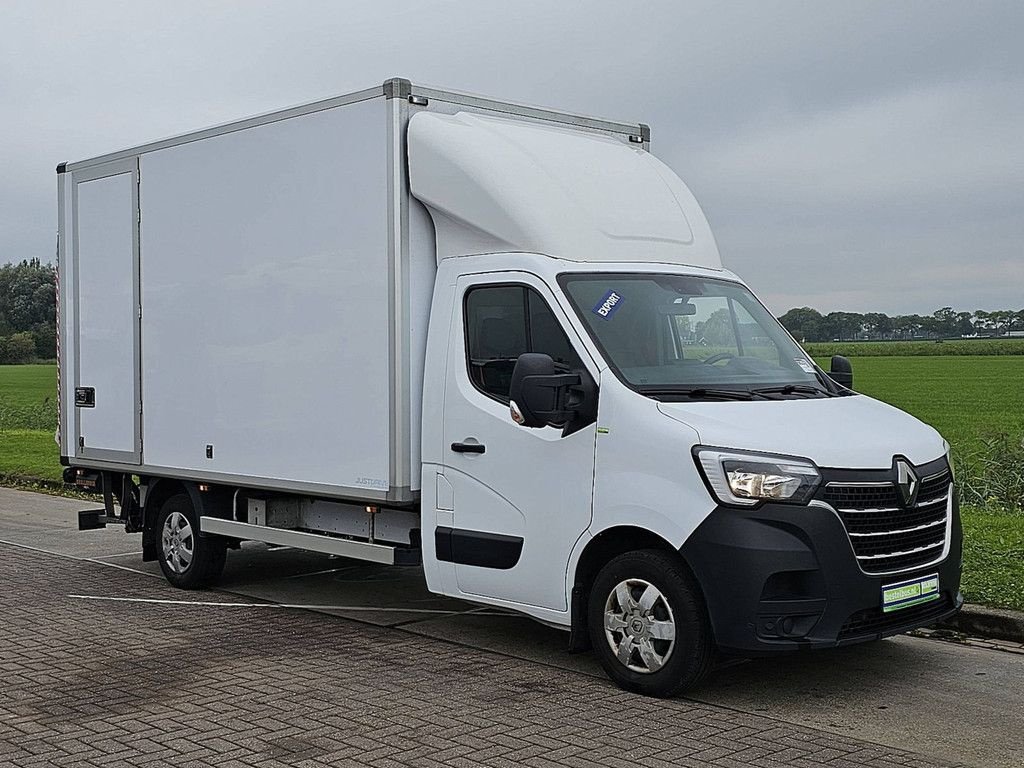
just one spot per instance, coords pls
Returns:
(888, 537)
(894, 519)
(880, 496)
(934, 486)
(874, 621)
(871, 545)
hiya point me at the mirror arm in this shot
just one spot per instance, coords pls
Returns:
(555, 381)
(561, 384)
(584, 410)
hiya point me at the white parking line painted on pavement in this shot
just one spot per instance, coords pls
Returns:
(317, 573)
(484, 610)
(80, 559)
(136, 553)
(303, 606)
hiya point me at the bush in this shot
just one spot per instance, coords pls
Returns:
(992, 475)
(17, 348)
(28, 416)
(45, 337)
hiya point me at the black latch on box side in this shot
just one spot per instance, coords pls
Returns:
(85, 397)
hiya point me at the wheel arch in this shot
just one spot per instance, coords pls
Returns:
(159, 490)
(608, 544)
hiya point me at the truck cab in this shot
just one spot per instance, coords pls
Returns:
(635, 447)
(686, 449)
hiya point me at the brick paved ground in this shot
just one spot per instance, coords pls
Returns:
(107, 683)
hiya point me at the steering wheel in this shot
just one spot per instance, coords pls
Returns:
(718, 358)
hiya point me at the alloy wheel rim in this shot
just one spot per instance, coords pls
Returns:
(178, 542)
(639, 626)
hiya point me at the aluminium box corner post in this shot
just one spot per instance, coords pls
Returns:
(399, 274)
(63, 340)
(105, 222)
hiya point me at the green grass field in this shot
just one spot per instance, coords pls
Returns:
(968, 399)
(27, 385)
(993, 557)
(939, 348)
(28, 419)
(965, 398)
(30, 454)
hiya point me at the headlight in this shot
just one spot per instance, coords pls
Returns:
(949, 460)
(746, 479)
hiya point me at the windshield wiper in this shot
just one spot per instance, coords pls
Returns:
(701, 393)
(794, 389)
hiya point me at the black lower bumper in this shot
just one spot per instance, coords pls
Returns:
(782, 578)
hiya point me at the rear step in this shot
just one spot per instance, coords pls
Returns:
(92, 519)
(313, 542)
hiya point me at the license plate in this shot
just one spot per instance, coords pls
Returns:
(908, 593)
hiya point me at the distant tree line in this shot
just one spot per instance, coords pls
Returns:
(28, 319)
(28, 312)
(808, 324)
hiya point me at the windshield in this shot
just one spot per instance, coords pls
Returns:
(667, 334)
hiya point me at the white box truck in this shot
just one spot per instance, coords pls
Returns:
(414, 326)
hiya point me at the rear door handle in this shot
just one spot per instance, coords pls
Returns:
(468, 448)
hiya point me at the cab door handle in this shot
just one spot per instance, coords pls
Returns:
(468, 448)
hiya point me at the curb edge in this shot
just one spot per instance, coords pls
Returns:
(980, 621)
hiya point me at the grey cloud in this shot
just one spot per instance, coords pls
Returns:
(850, 156)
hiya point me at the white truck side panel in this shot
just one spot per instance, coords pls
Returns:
(107, 309)
(265, 301)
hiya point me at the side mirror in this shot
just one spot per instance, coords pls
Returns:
(538, 394)
(841, 371)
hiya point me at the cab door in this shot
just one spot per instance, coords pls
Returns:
(521, 497)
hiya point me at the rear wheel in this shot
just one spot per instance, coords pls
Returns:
(648, 624)
(188, 560)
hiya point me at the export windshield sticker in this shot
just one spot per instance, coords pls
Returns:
(908, 593)
(805, 365)
(608, 305)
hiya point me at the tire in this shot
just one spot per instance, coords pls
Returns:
(648, 624)
(188, 560)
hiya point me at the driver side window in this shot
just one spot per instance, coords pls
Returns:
(503, 322)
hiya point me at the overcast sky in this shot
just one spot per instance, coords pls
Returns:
(858, 156)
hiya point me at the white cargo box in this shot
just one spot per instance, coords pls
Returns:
(248, 304)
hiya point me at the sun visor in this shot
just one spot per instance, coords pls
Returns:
(493, 184)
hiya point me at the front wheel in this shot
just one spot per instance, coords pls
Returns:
(648, 624)
(188, 560)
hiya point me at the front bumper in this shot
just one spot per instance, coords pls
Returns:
(781, 578)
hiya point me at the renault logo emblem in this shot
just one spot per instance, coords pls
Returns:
(906, 482)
